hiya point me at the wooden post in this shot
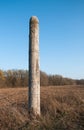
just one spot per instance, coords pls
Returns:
(34, 71)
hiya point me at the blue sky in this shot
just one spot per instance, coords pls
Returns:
(61, 35)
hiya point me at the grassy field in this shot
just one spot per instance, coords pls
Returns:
(62, 108)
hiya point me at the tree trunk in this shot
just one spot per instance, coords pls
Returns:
(34, 72)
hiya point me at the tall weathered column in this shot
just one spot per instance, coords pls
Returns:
(34, 72)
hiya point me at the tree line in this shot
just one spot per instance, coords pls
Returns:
(19, 78)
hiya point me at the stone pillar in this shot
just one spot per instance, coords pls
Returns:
(34, 71)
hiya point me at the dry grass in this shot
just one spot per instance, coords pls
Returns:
(62, 108)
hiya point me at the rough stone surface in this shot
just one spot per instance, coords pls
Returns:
(34, 71)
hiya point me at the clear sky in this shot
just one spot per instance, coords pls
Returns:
(61, 35)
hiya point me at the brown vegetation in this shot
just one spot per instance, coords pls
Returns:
(15, 78)
(62, 108)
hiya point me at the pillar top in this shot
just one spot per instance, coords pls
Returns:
(34, 20)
